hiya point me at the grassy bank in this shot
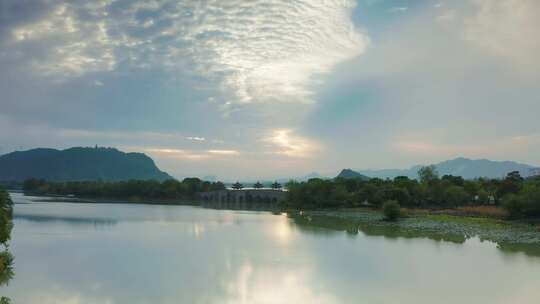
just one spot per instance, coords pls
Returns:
(465, 211)
(479, 215)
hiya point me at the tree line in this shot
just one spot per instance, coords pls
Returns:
(521, 197)
(132, 189)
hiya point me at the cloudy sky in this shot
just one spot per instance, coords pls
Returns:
(274, 88)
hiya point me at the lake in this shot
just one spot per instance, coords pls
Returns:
(122, 253)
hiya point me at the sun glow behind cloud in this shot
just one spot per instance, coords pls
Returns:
(285, 142)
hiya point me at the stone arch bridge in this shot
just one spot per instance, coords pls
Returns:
(243, 198)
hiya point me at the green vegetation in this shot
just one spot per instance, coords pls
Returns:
(520, 197)
(187, 189)
(318, 194)
(525, 202)
(391, 210)
(6, 213)
(6, 224)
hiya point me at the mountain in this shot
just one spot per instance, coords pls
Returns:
(467, 168)
(348, 173)
(78, 164)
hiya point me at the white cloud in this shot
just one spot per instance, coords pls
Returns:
(424, 75)
(69, 46)
(508, 28)
(255, 51)
(265, 50)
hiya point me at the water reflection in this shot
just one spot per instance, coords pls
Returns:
(73, 221)
(254, 285)
(326, 224)
(513, 248)
(312, 224)
(180, 254)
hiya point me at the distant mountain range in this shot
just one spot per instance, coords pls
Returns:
(467, 168)
(78, 164)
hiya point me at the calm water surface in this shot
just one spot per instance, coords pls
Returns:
(111, 253)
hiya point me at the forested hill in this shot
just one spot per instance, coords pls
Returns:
(467, 168)
(348, 173)
(78, 164)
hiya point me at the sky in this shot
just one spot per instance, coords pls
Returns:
(274, 88)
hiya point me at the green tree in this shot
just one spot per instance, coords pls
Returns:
(6, 259)
(33, 184)
(454, 180)
(4, 300)
(193, 185)
(455, 196)
(6, 214)
(6, 267)
(428, 175)
(472, 187)
(132, 189)
(483, 196)
(515, 205)
(512, 183)
(258, 185)
(525, 203)
(391, 210)
(316, 194)
(530, 194)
